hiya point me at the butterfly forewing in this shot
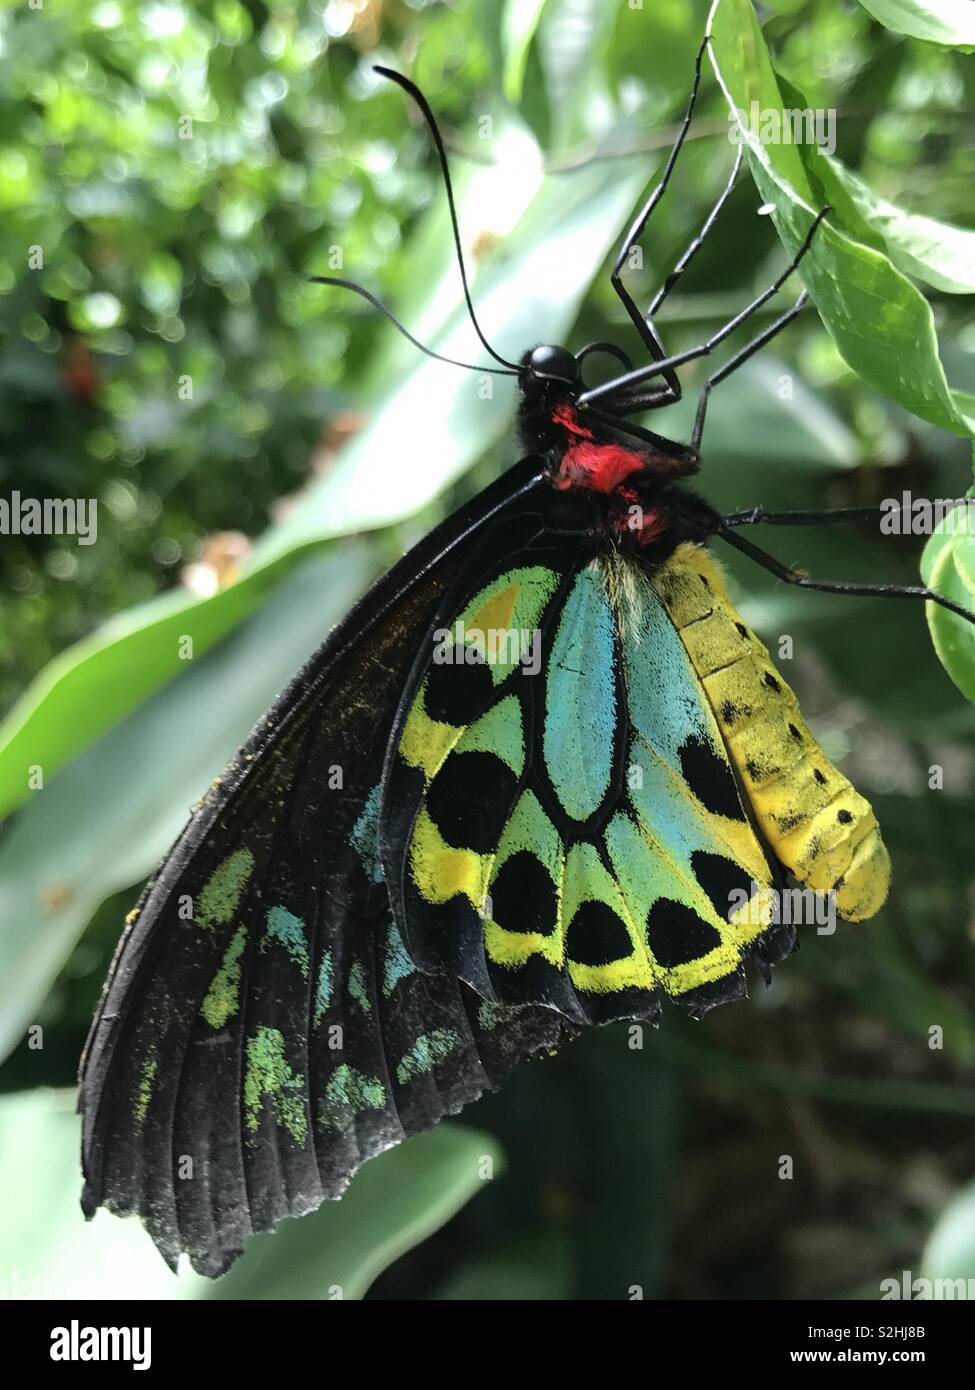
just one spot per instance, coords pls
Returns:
(265, 1029)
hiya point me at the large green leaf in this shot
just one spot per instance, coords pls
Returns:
(949, 22)
(48, 1250)
(881, 324)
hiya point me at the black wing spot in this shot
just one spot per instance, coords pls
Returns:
(523, 895)
(771, 682)
(710, 778)
(720, 878)
(676, 935)
(470, 798)
(742, 629)
(596, 936)
(844, 817)
(820, 777)
(794, 732)
(456, 691)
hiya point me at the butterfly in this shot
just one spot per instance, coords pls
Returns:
(543, 776)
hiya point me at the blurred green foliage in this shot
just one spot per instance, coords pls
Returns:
(180, 169)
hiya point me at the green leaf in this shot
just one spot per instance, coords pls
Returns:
(518, 27)
(949, 568)
(950, 1251)
(48, 1250)
(936, 252)
(880, 323)
(938, 21)
(96, 682)
(435, 424)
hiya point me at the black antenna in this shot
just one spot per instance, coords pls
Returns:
(428, 115)
(378, 304)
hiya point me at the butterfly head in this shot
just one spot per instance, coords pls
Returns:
(549, 379)
(550, 368)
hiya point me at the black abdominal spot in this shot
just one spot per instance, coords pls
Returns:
(795, 733)
(729, 712)
(819, 776)
(710, 779)
(456, 692)
(844, 817)
(742, 629)
(523, 895)
(771, 682)
(676, 935)
(720, 877)
(470, 798)
(596, 936)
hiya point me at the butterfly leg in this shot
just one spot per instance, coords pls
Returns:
(756, 515)
(621, 386)
(698, 241)
(839, 586)
(740, 357)
(643, 324)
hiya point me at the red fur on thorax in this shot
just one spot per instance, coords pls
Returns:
(568, 417)
(599, 467)
(605, 468)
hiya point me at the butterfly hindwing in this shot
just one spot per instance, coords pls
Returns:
(264, 1028)
(570, 830)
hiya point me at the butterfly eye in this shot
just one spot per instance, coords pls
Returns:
(554, 364)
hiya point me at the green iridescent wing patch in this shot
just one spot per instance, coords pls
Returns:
(569, 830)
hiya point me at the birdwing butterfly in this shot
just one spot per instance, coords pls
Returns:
(542, 776)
